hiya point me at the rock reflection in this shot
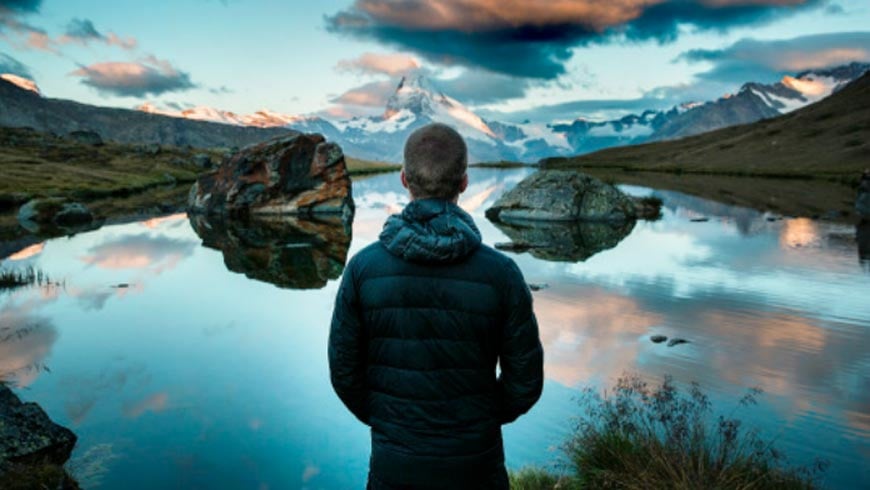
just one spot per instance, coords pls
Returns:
(287, 252)
(862, 234)
(565, 241)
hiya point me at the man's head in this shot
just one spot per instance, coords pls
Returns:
(436, 160)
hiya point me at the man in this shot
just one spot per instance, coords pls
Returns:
(421, 319)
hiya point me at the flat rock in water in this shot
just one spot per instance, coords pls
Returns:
(299, 175)
(674, 342)
(27, 435)
(658, 339)
(699, 220)
(558, 195)
(37, 213)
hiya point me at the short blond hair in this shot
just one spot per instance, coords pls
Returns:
(436, 160)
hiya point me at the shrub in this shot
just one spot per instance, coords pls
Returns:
(639, 437)
(13, 279)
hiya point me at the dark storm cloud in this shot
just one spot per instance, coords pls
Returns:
(9, 64)
(477, 87)
(20, 5)
(534, 38)
(149, 76)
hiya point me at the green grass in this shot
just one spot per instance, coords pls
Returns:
(41, 165)
(357, 167)
(501, 164)
(638, 436)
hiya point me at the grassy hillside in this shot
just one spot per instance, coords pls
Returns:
(829, 139)
(36, 164)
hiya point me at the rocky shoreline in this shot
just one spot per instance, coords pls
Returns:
(33, 449)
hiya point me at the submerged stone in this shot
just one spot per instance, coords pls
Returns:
(54, 212)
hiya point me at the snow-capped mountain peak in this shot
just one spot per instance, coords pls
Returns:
(21, 82)
(416, 96)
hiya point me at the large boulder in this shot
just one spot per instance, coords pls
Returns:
(559, 195)
(285, 251)
(27, 435)
(299, 175)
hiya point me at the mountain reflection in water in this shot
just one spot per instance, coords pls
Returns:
(287, 252)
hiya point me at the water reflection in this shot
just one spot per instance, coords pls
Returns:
(287, 252)
(565, 242)
(26, 337)
(225, 395)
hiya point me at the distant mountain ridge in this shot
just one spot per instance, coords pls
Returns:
(756, 101)
(24, 107)
(830, 138)
(417, 102)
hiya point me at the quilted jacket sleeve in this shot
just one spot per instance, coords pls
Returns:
(347, 349)
(522, 356)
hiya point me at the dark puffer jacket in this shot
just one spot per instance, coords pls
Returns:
(421, 320)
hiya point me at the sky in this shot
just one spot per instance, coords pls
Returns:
(541, 60)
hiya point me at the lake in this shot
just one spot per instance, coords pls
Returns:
(171, 352)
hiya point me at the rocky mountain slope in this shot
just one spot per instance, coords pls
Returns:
(830, 138)
(756, 101)
(22, 106)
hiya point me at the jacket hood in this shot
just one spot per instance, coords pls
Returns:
(431, 231)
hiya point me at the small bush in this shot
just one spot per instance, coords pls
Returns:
(639, 437)
(13, 279)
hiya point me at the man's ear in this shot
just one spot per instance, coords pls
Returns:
(464, 184)
(404, 179)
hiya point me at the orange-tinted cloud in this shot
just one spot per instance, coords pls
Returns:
(381, 64)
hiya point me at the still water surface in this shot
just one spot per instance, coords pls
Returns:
(196, 376)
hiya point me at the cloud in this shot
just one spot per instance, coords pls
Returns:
(381, 64)
(372, 94)
(20, 6)
(766, 60)
(534, 38)
(9, 64)
(747, 60)
(82, 31)
(149, 76)
(476, 87)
